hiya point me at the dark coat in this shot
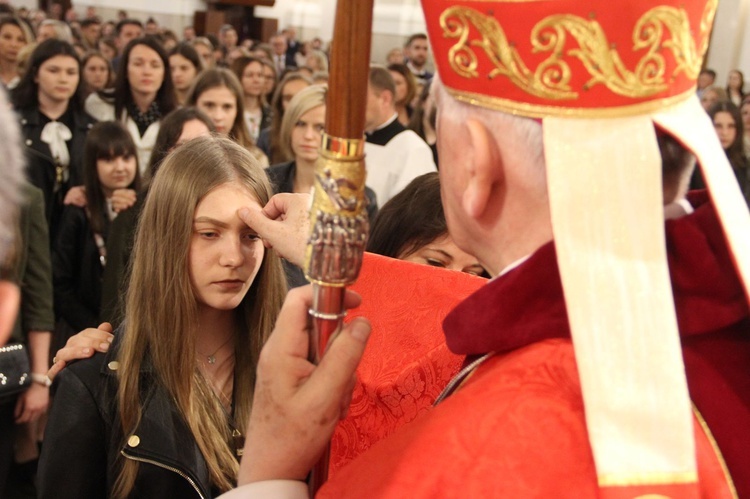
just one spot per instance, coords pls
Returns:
(84, 444)
(119, 247)
(76, 271)
(41, 166)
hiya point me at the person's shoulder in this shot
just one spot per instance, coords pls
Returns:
(279, 173)
(279, 168)
(84, 119)
(85, 373)
(99, 108)
(27, 115)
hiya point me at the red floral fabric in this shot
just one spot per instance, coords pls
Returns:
(404, 371)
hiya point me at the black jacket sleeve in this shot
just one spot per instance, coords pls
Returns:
(73, 463)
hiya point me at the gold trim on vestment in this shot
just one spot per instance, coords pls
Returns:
(637, 479)
(542, 111)
(717, 451)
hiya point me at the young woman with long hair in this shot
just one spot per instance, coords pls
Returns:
(268, 141)
(185, 64)
(79, 250)
(730, 131)
(736, 87)
(249, 71)
(179, 127)
(161, 415)
(406, 90)
(218, 93)
(745, 112)
(729, 128)
(49, 103)
(143, 94)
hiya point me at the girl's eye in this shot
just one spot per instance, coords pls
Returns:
(252, 237)
(435, 263)
(208, 234)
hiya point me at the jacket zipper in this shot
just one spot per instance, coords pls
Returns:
(166, 467)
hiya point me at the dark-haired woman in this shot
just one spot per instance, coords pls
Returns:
(411, 226)
(53, 122)
(729, 130)
(79, 251)
(736, 87)
(727, 122)
(142, 96)
(406, 90)
(185, 64)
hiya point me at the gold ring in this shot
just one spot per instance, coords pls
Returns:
(54, 360)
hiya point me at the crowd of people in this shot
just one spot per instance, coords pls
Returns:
(729, 110)
(101, 103)
(162, 226)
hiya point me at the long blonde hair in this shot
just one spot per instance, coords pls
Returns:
(161, 313)
(306, 100)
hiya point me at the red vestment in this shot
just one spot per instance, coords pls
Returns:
(517, 427)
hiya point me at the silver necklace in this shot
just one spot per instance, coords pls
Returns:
(212, 357)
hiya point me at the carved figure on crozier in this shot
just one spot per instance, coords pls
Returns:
(338, 244)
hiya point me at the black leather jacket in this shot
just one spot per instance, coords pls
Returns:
(41, 166)
(84, 445)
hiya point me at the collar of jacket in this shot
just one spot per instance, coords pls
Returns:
(162, 437)
(32, 117)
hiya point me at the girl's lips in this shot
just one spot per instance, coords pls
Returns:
(230, 285)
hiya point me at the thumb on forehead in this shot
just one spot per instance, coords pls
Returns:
(254, 217)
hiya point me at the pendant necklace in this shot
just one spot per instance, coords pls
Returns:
(212, 357)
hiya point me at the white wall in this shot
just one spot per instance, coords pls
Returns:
(393, 21)
(730, 43)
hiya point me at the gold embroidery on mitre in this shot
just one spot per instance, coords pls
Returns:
(551, 79)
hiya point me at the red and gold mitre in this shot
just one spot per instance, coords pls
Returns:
(602, 77)
(568, 57)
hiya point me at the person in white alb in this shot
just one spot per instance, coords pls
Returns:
(394, 155)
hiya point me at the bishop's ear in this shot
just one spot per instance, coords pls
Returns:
(485, 168)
